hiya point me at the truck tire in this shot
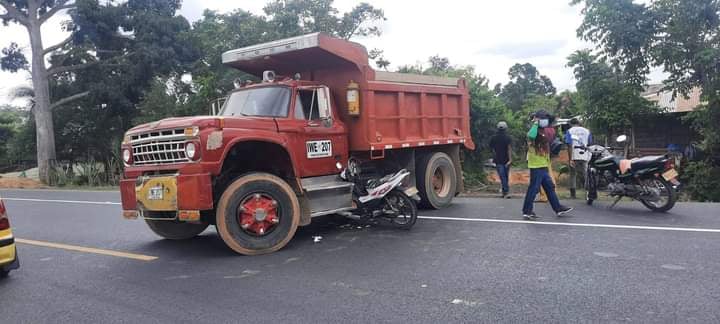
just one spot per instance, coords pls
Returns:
(436, 180)
(258, 213)
(175, 230)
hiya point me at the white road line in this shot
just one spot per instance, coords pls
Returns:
(511, 221)
(486, 220)
(64, 201)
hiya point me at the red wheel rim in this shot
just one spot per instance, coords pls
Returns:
(258, 214)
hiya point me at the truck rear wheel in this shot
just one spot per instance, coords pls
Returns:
(436, 180)
(174, 230)
(257, 214)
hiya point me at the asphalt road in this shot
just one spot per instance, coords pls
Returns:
(474, 262)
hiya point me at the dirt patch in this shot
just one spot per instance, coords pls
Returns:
(20, 183)
(516, 177)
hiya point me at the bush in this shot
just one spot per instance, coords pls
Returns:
(700, 181)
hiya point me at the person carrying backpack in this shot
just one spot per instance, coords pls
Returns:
(539, 162)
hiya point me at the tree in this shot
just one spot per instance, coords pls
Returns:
(32, 14)
(216, 33)
(113, 53)
(296, 17)
(525, 80)
(681, 36)
(611, 104)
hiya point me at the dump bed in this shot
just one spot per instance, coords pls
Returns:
(397, 110)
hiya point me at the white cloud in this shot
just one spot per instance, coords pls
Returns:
(490, 35)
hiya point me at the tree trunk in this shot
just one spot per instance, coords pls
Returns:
(43, 115)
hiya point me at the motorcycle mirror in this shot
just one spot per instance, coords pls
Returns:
(621, 138)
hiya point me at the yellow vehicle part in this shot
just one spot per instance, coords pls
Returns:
(7, 253)
(148, 194)
(353, 98)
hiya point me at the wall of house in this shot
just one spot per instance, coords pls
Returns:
(660, 131)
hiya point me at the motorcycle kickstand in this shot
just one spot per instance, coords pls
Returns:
(615, 202)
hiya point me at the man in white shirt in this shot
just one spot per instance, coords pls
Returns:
(578, 157)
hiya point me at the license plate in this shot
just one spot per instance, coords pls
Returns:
(670, 174)
(156, 193)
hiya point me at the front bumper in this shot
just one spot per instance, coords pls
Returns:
(8, 253)
(180, 192)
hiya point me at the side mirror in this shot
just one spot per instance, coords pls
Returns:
(621, 139)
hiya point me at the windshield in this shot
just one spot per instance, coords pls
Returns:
(265, 102)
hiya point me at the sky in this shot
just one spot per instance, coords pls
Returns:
(489, 35)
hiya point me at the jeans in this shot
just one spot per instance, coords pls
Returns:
(504, 175)
(540, 177)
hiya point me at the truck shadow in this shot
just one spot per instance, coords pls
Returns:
(209, 245)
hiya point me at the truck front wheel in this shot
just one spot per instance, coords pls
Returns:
(257, 214)
(436, 180)
(174, 230)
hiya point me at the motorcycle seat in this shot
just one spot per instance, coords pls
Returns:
(606, 160)
(646, 162)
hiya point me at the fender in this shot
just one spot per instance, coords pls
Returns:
(237, 137)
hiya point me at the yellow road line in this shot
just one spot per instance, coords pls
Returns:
(87, 250)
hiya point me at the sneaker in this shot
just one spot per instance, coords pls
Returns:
(564, 210)
(530, 216)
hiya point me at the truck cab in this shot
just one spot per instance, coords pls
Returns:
(268, 160)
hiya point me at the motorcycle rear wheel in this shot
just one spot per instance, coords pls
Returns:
(668, 197)
(406, 210)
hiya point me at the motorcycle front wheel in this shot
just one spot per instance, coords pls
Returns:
(590, 187)
(667, 195)
(400, 210)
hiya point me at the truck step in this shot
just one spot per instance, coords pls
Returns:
(327, 194)
(324, 183)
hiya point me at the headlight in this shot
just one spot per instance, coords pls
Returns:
(127, 157)
(191, 150)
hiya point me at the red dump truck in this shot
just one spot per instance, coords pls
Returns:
(268, 161)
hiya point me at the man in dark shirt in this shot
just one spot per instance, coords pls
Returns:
(501, 144)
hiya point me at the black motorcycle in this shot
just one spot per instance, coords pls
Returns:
(652, 180)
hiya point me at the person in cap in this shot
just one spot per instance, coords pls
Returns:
(501, 144)
(539, 138)
(578, 139)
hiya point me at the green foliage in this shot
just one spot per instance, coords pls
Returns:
(12, 59)
(610, 102)
(525, 81)
(165, 99)
(296, 17)
(17, 136)
(681, 36)
(700, 181)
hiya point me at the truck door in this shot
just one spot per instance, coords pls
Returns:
(323, 134)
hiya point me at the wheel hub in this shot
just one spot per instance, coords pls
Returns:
(258, 214)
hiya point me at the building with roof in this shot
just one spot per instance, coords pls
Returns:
(658, 134)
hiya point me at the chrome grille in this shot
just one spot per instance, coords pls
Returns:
(159, 147)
